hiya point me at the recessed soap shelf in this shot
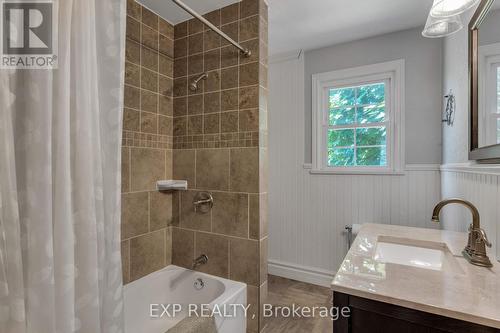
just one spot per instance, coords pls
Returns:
(171, 185)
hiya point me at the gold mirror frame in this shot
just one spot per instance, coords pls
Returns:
(488, 154)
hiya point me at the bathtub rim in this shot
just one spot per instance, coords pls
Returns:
(232, 287)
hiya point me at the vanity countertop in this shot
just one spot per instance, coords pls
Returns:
(464, 291)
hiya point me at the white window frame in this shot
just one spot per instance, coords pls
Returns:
(489, 61)
(392, 73)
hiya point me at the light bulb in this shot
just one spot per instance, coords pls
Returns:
(436, 28)
(448, 8)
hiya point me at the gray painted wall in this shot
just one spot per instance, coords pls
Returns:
(424, 77)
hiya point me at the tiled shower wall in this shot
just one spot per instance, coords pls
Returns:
(220, 137)
(147, 143)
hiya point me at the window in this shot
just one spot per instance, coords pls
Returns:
(357, 118)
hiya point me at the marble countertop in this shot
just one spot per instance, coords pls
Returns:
(466, 292)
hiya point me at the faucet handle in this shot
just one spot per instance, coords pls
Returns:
(482, 237)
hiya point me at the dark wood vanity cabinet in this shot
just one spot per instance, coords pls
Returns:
(368, 316)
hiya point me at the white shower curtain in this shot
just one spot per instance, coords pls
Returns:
(60, 139)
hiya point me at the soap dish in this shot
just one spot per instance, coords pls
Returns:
(171, 185)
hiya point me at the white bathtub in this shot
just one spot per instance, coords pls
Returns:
(176, 285)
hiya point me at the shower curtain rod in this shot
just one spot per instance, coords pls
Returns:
(245, 52)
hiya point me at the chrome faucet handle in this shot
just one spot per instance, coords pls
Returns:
(482, 237)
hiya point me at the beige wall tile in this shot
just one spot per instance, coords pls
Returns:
(166, 66)
(249, 74)
(134, 9)
(211, 40)
(195, 125)
(131, 120)
(212, 83)
(165, 125)
(125, 170)
(149, 101)
(195, 43)
(132, 51)
(229, 121)
(254, 216)
(180, 126)
(229, 56)
(132, 74)
(160, 210)
(180, 87)
(229, 100)
(149, 18)
(249, 8)
(213, 17)
(166, 46)
(133, 29)
(180, 106)
(182, 247)
(147, 167)
(230, 13)
(212, 102)
(191, 219)
(249, 28)
(149, 122)
(211, 123)
(253, 310)
(149, 58)
(194, 26)
(132, 97)
(147, 254)
(245, 170)
(217, 250)
(229, 78)
(168, 246)
(135, 214)
(166, 28)
(244, 261)
(212, 60)
(184, 166)
(149, 80)
(180, 67)
(230, 214)
(125, 251)
(249, 97)
(149, 37)
(249, 120)
(263, 247)
(263, 292)
(212, 169)
(231, 30)
(180, 30)
(165, 85)
(195, 104)
(195, 64)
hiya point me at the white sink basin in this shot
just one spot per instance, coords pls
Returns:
(410, 252)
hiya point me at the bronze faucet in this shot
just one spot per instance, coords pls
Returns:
(475, 251)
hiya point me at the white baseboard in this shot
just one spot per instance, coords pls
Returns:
(301, 273)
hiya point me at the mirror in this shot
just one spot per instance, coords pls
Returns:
(484, 63)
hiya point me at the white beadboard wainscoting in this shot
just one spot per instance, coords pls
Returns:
(481, 186)
(308, 213)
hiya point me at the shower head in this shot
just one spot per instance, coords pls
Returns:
(194, 84)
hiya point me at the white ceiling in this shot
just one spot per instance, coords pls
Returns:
(174, 14)
(310, 24)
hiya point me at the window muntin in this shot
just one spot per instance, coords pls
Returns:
(358, 125)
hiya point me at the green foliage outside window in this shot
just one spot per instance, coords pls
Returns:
(357, 134)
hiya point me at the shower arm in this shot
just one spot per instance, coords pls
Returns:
(245, 52)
